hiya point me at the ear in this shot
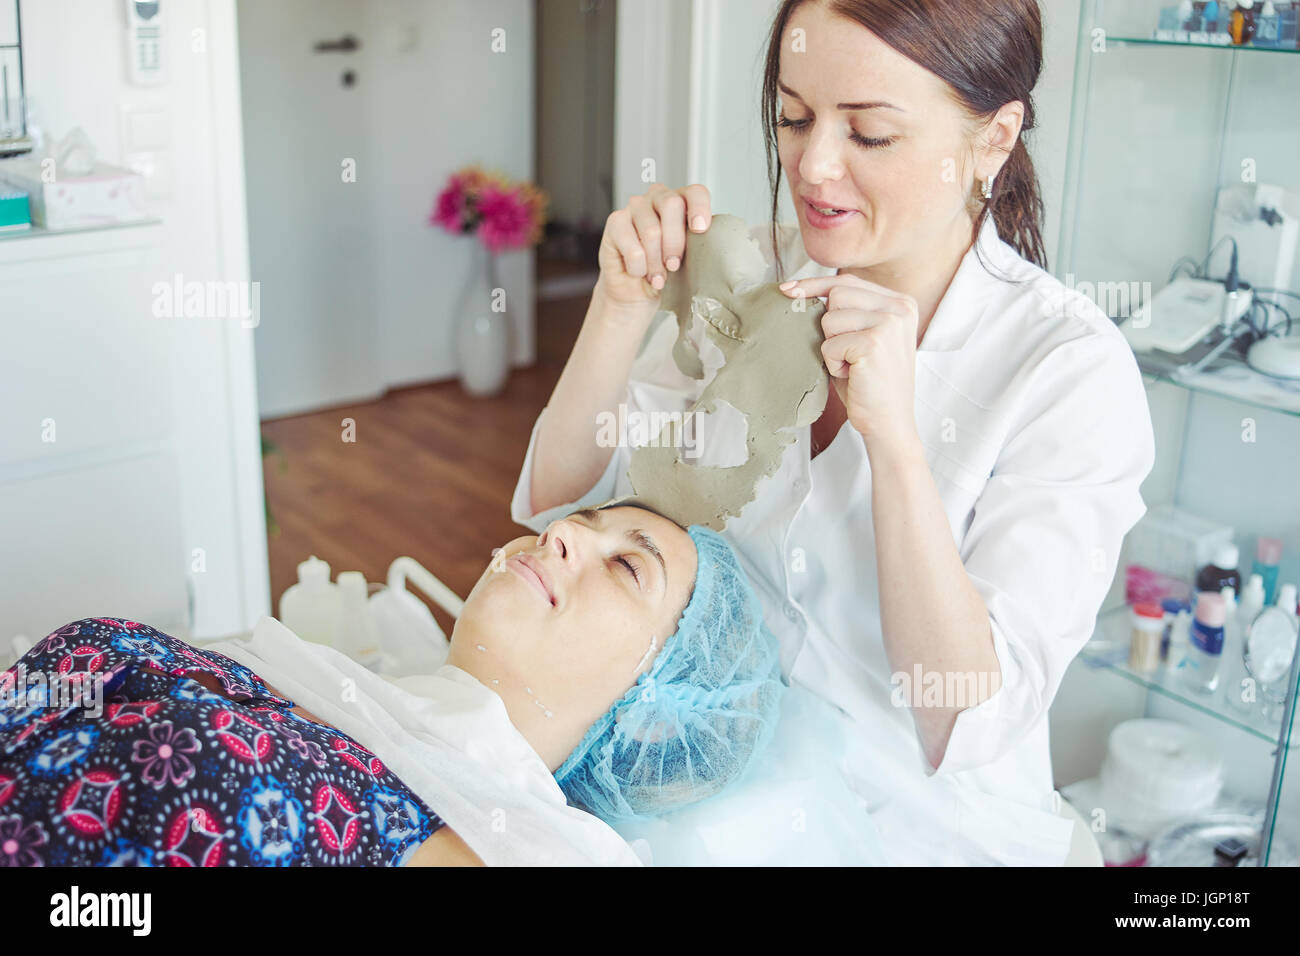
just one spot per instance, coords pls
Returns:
(998, 139)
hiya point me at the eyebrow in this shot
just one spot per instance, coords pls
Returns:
(869, 105)
(637, 536)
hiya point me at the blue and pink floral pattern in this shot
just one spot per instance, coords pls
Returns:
(170, 773)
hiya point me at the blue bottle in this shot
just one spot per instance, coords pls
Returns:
(1268, 555)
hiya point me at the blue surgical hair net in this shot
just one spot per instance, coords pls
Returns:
(694, 721)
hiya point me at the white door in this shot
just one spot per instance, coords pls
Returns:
(304, 133)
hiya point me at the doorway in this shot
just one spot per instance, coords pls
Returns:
(575, 141)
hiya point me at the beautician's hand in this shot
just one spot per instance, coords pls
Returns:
(870, 352)
(647, 240)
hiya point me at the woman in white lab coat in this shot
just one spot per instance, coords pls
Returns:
(933, 551)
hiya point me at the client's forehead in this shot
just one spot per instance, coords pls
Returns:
(638, 516)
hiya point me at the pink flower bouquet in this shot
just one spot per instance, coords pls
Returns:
(502, 214)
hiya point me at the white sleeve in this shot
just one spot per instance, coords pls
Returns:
(1044, 542)
(655, 384)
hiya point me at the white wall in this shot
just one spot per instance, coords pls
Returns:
(361, 292)
(157, 452)
(652, 97)
(448, 103)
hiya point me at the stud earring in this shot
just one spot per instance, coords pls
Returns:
(987, 189)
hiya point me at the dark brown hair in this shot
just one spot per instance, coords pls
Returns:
(988, 51)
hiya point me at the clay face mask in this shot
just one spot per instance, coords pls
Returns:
(772, 374)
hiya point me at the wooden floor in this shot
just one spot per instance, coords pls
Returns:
(430, 475)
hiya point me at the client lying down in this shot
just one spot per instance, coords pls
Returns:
(617, 660)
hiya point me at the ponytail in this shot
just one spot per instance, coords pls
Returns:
(1017, 206)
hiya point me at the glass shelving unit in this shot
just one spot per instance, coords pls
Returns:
(1158, 125)
(1109, 650)
(1152, 41)
(13, 102)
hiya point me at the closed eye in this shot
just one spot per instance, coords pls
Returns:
(631, 567)
(869, 142)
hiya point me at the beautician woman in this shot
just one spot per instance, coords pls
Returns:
(934, 550)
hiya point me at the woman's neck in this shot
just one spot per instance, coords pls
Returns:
(549, 728)
(925, 274)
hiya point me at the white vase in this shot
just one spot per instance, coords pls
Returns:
(483, 329)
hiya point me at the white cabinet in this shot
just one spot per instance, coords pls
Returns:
(90, 501)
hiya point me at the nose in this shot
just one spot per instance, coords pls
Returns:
(565, 540)
(821, 158)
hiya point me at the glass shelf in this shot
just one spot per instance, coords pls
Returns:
(1151, 41)
(40, 232)
(1164, 367)
(1108, 650)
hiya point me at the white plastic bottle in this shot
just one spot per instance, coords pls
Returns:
(310, 608)
(1252, 601)
(1231, 633)
(358, 636)
(1286, 600)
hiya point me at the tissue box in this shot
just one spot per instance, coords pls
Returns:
(1174, 543)
(14, 215)
(107, 196)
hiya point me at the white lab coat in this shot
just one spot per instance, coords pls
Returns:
(1033, 415)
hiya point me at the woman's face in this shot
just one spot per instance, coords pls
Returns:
(571, 615)
(900, 162)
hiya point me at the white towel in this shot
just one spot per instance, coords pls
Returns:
(448, 738)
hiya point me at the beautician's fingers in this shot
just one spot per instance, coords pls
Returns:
(621, 251)
(839, 321)
(699, 207)
(847, 291)
(649, 232)
(671, 207)
(820, 285)
(850, 298)
(842, 351)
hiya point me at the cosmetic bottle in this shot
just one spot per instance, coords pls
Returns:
(1210, 17)
(310, 608)
(358, 637)
(1221, 571)
(1200, 668)
(1286, 600)
(1171, 607)
(1242, 23)
(1240, 696)
(1268, 555)
(1179, 639)
(1144, 643)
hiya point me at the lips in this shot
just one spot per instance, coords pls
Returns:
(528, 569)
(820, 220)
(825, 204)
